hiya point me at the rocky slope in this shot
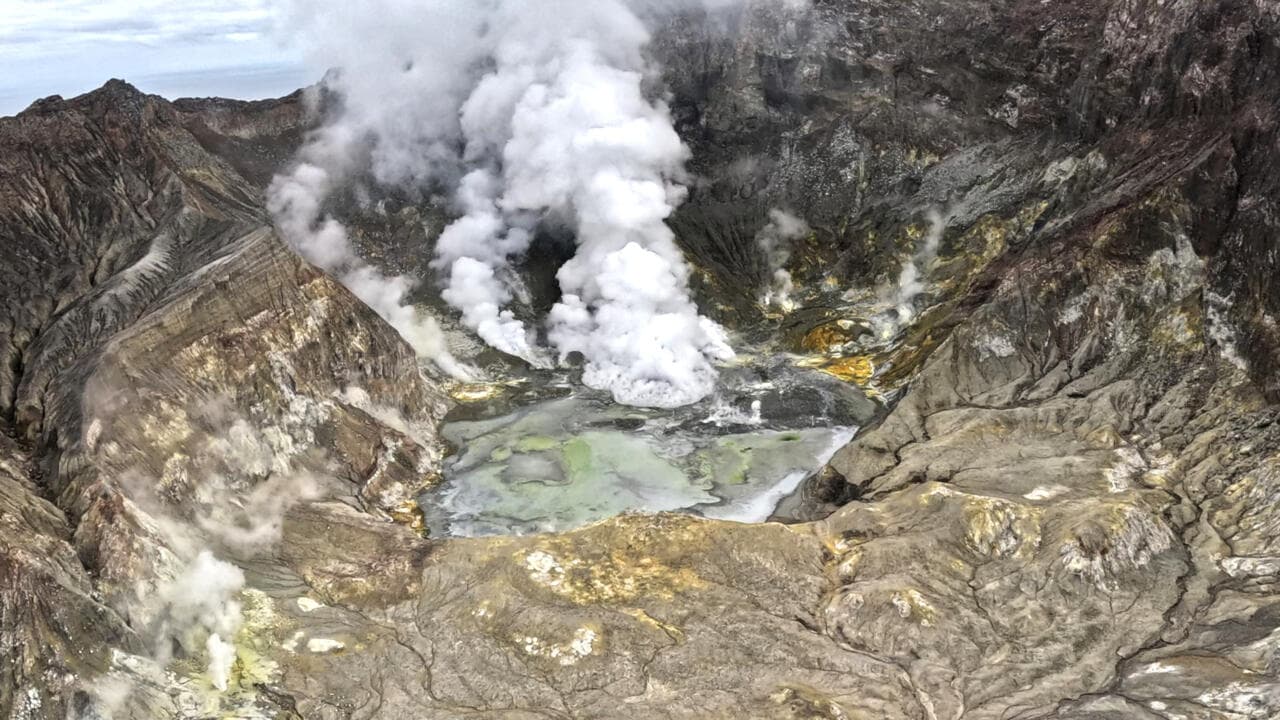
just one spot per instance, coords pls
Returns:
(166, 354)
(1071, 507)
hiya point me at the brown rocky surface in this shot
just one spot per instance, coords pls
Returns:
(167, 356)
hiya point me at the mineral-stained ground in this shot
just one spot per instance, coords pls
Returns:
(1068, 506)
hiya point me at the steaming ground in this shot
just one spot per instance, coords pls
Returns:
(525, 115)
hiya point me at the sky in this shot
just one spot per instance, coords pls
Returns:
(175, 49)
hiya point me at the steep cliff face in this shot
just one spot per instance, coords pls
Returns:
(167, 358)
(1070, 508)
(860, 117)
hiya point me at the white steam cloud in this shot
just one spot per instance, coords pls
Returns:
(242, 481)
(527, 113)
(203, 600)
(296, 201)
(911, 280)
(774, 240)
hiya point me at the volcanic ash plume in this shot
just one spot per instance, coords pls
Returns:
(527, 113)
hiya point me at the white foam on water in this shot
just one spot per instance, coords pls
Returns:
(758, 508)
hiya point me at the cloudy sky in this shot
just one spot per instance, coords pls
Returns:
(175, 49)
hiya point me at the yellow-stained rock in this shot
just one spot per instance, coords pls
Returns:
(858, 370)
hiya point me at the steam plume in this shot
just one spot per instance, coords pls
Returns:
(774, 241)
(911, 281)
(527, 113)
(296, 201)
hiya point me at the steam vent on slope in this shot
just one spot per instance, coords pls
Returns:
(779, 359)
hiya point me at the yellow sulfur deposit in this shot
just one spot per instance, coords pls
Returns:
(858, 369)
(410, 514)
(828, 337)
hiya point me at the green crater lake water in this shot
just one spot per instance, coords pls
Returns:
(566, 463)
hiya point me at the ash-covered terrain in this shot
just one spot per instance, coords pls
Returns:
(304, 417)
